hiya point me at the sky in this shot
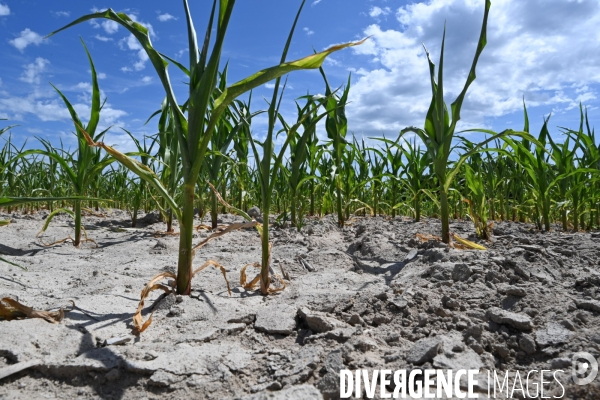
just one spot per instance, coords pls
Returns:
(545, 51)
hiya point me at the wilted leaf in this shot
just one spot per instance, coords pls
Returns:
(11, 309)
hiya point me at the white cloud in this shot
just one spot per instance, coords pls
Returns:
(146, 80)
(84, 86)
(27, 37)
(165, 17)
(271, 85)
(314, 3)
(110, 27)
(32, 71)
(308, 31)
(101, 75)
(103, 38)
(131, 43)
(377, 11)
(61, 13)
(53, 109)
(331, 61)
(4, 10)
(529, 52)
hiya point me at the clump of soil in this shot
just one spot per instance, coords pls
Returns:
(369, 296)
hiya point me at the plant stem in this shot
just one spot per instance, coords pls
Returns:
(445, 216)
(266, 255)
(186, 230)
(77, 240)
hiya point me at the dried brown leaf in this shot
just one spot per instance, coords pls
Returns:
(139, 325)
(230, 228)
(216, 265)
(11, 309)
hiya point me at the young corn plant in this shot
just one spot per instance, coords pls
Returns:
(299, 152)
(195, 130)
(478, 202)
(140, 189)
(415, 169)
(393, 163)
(583, 182)
(268, 165)
(336, 126)
(541, 174)
(89, 164)
(440, 125)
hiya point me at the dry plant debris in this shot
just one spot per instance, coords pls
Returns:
(11, 309)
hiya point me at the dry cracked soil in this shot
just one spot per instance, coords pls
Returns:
(369, 296)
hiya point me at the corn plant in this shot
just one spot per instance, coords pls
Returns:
(139, 187)
(582, 181)
(194, 132)
(394, 164)
(415, 170)
(268, 165)
(336, 125)
(440, 125)
(478, 202)
(89, 163)
(299, 152)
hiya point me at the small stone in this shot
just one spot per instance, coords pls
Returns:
(561, 362)
(411, 255)
(381, 319)
(255, 213)
(462, 325)
(527, 344)
(356, 319)
(516, 320)
(274, 386)
(582, 316)
(449, 302)
(568, 324)
(552, 334)
(502, 350)
(590, 305)
(304, 392)
(246, 319)
(233, 329)
(511, 290)
(318, 322)
(399, 302)
(424, 350)
(113, 375)
(276, 319)
(440, 312)
(532, 312)
(461, 272)
(365, 344)
(117, 341)
(150, 355)
(162, 378)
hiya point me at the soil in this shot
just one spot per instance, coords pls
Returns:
(369, 296)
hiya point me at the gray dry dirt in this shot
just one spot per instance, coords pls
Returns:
(369, 296)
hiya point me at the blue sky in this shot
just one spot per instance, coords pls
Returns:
(544, 50)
